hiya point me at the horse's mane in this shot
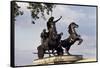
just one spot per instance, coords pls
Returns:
(69, 28)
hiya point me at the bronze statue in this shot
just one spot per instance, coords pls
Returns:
(44, 36)
(51, 23)
(67, 43)
(52, 41)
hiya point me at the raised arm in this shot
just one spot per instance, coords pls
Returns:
(58, 19)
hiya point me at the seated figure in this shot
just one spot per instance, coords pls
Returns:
(44, 36)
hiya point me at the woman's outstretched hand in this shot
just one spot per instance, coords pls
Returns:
(60, 16)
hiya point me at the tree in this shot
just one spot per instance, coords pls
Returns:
(15, 10)
(38, 10)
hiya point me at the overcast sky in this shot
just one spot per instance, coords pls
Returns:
(27, 35)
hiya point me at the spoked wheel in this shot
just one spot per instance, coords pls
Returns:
(40, 52)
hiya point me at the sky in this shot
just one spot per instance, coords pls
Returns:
(27, 35)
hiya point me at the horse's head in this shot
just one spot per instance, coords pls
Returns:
(73, 25)
(71, 28)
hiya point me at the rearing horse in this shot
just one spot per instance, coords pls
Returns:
(67, 43)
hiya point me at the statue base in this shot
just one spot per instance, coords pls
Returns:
(58, 59)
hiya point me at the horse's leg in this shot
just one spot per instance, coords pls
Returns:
(80, 41)
(47, 46)
(60, 51)
(53, 52)
(49, 53)
(67, 50)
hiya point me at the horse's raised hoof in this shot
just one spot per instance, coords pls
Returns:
(81, 40)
